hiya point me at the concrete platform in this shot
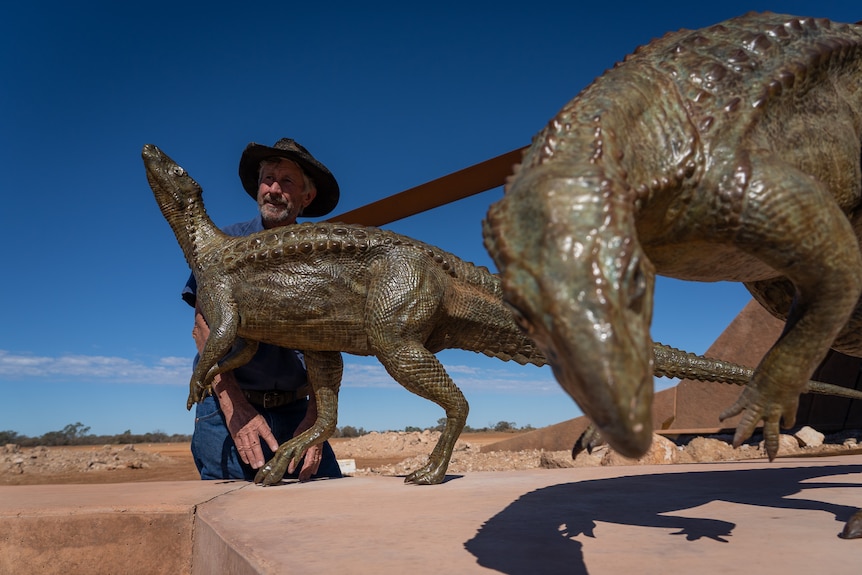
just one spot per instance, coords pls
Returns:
(742, 517)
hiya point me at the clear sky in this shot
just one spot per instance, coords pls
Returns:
(387, 95)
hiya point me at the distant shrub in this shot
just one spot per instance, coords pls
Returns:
(79, 434)
(349, 431)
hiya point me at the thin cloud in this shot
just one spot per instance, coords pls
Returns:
(177, 370)
(520, 379)
(167, 370)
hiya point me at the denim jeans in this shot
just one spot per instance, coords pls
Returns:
(216, 455)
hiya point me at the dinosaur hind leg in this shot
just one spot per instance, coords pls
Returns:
(418, 370)
(793, 224)
(405, 304)
(777, 296)
(325, 370)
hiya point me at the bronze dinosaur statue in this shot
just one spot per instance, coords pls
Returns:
(730, 153)
(332, 288)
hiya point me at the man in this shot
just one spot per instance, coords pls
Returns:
(264, 403)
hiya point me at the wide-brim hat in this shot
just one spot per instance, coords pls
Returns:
(327, 188)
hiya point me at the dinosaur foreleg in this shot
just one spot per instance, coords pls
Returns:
(419, 371)
(242, 354)
(793, 224)
(221, 338)
(325, 370)
(240, 357)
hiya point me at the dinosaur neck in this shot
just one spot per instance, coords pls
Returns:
(201, 231)
(193, 228)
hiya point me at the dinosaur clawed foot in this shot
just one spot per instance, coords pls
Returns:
(431, 473)
(759, 407)
(271, 473)
(274, 469)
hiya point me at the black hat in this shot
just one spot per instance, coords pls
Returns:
(327, 188)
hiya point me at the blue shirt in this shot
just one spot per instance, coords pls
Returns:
(272, 367)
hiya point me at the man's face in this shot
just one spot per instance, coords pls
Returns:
(282, 193)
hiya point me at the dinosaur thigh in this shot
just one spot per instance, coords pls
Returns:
(405, 305)
(792, 224)
(405, 302)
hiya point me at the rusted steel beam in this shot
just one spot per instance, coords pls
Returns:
(472, 180)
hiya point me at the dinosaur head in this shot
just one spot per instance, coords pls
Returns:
(581, 286)
(179, 199)
(173, 187)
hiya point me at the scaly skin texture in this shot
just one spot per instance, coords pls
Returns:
(730, 153)
(329, 288)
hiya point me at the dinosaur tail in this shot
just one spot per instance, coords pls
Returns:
(675, 363)
(527, 354)
(489, 326)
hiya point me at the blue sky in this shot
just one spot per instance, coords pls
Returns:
(387, 95)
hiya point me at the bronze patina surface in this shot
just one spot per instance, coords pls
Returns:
(730, 153)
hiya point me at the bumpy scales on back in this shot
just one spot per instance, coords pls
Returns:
(727, 153)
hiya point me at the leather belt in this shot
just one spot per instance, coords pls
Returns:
(272, 399)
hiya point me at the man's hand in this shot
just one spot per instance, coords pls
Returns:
(247, 427)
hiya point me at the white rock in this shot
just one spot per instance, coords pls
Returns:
(662, 451)
(787, 444)
(809, 437)
(705, 449)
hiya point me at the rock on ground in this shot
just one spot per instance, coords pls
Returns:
(16, 460)
(404, 452)
(469, 458)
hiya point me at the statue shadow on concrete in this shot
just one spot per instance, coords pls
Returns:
(536, 533)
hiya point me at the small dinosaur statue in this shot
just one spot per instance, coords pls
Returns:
(332, 288)
(730, 153)
(329, 288)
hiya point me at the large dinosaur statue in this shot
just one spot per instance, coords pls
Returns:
(727, 153)
(332, 288)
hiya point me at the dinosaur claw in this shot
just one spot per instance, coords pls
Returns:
(287, 458)
(590, 439)
(196, 394)
(268, 475)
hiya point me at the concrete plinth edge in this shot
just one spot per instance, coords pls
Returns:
(782, 517)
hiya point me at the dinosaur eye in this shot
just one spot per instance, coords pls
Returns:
(178, 171)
